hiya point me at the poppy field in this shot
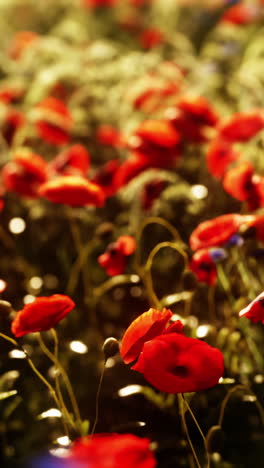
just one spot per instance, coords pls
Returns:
(131, 233)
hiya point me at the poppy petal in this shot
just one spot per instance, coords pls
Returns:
(147, 326)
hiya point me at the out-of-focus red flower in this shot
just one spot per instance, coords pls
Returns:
(42, 314)
(108, 135)
(20, 42)
(154, 97)
(191, 117)
(104, 177)
(241, 14)
(255, 310)
(134, 165)
(219, 156)
(147, 326)
(150, 38)
(73, 161)
(159, 132)
(170, 361)
(53, 121)
(112, 451)
(10, 94)
(241, 182)
(12, 121)
(242, 126)
(203, 267)
(113, 260)
(73, 191)
(126, 244)
(216, 231)
(99, 3)
(25, 173)
(151, 192)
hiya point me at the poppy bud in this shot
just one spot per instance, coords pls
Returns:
(5, 307)
(110, 347)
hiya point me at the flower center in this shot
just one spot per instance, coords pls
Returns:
(180, 371)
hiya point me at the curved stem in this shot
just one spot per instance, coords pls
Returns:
(229, 395)
(115, 281)
(97, 399)
(145, 272)
(154, 220)
(65, 377)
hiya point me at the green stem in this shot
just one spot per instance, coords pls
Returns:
(199, 429)
(97, 399)
(41, 377)
(230, 394)
(65, 377)
(185, 427)
(153, 220)
(224, 282)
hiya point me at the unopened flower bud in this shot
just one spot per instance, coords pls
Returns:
(110, 347)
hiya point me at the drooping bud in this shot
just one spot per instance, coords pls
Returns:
(110, 347)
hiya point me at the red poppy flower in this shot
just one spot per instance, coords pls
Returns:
(12, 121)
(25, 173)
(73, 161)
(104, 177)
(203, 267)
(158, 132)
(241, 14)
(153, 98)
(216, 231)
(151, 192)
(144, 328)
(73, 191)
(219, 156)
(241, 182)
(255, 310)
(170, 361)
(134, 165)
(108, 135)
(150, 38)
(11, 93)
(42, 314)
(242, 126)
(112, 451)
(191, 117)
(114, 259)
(20, 42)
(174, 363)
(53, 121)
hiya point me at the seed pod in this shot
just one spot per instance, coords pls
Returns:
(110, 347)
